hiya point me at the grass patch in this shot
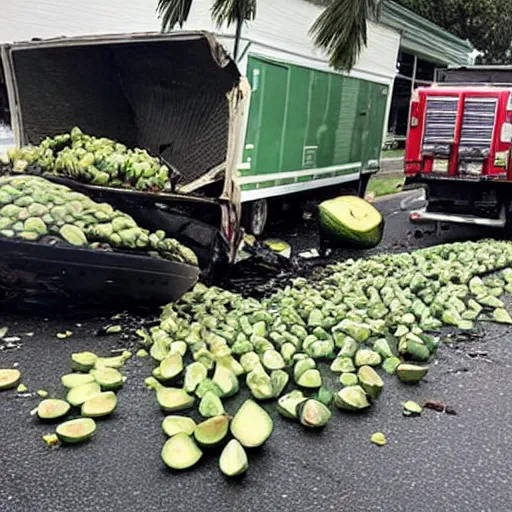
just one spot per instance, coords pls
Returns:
(393, 153)
(384, 185)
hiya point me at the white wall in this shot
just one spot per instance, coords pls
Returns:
(281, 27)
(22, 20)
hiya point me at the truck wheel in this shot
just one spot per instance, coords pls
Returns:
(255, 215)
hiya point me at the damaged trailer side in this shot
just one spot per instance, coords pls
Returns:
(177, 95)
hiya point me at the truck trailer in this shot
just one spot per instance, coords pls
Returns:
(181, 97)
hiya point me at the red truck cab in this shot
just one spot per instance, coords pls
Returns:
(459, 146)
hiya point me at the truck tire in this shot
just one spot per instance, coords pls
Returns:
(254, 216)
(361, 189)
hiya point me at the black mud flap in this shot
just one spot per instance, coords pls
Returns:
(71, 277)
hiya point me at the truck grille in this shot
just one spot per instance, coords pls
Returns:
(477, 127)
(440, 121)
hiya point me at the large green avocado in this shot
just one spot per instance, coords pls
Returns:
(350, 221)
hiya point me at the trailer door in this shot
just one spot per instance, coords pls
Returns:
(267, 115)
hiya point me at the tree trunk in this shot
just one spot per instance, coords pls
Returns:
(238, 35)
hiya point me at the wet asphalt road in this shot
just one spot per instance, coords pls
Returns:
(436, 462)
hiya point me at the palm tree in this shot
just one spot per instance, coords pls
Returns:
(341, 29)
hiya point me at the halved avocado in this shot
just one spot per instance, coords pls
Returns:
(9, 378)
(212, 431)
(76, 431)
(52, 408)
(173, 425)
(233, 459)
(158, 351)
(260, 384)
(251, 425)
(157, 374)
(343, 365)
(113, 361)
(173, 399)
(411, 373)
(211, 405)
(370, 381)
(179, 347)
(279, 380)
(302, 366)
(232, 364)
(83, 361)
(310, 379)
(416, 351)
(352, 398)
(226, 380)
(367, 357)
(195, 373)
(272, 360)
(181, 452)
(108, 378)
(78, 395)
(72, 380)
(349, 379)
(313, 413)
(207, 385)
(381, 346)
(287, 404)
(101, 405)
(391, 364)
(249, 361)
(172, 366)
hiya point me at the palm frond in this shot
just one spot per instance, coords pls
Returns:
(341, 29)
(233, 11)
(173, 12)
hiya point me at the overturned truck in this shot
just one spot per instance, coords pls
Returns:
(158, 117)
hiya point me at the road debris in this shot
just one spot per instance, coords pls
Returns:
(435, 405)
(51, 439)
(439, 406)
(109, 329)
(379, 439)
(411, 408)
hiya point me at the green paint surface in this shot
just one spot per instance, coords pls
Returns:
(301, 118)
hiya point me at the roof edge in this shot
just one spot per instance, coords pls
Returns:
(393, 13)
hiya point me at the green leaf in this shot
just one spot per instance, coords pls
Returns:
(342, 30)
(233, 11)
(173, 12)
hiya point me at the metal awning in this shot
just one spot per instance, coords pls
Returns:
(425, 39)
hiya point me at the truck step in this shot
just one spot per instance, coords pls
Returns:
(423, 215)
